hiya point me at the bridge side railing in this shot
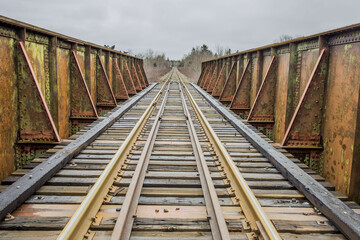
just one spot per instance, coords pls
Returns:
(303, 94)
(53, 84)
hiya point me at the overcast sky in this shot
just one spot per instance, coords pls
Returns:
(173, 27)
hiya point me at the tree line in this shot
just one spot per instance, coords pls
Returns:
(157, 64)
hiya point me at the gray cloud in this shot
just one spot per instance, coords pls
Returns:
(175, 26)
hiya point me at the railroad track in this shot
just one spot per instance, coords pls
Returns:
(169, 166)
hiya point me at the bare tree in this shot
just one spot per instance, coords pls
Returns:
(284, 38)
(221, 51)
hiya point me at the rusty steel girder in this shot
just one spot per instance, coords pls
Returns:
(51, 86)
(118, 84)
(128, 79)
(241, 99)
(230, 85)
(105, 96)
(219, 81)
(215, 74)
(305, 95)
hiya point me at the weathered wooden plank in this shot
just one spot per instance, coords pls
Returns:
(29, 235)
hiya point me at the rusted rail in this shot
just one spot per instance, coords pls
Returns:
(304, 94)
(52, 85)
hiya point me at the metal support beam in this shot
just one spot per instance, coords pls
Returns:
(215, 74)
(207, 76)
(36, 123)
(53, 81)
(129, 83)
(220, 81)
(134, 76)
(241, 100)
(229, 88)
(210, 77)
(118, 84)
(263, 108)
(305, 127)
(104, 94)
(81, 104)
(203, 73)
(143, 72)
(140, 75)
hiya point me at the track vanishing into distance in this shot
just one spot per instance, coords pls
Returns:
(168, 166)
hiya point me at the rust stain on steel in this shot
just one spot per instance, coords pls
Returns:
(341, 119)
(32, 104)
(213, 78)
(255, 80)
(93, 76)
(305, 127)
(63, 78)
(308, 61)
(35, 88)
(81, 103)
(230, 85)
(109, 72)
(104, 94)
(334, 136)
(202, 75)
(265, 64)
(281, 96)
(263, 107)
(241, 100)
(220, 81)
(206, 73)
(135, 77)
(208, 76)
(139, 75)
(142, 74)
(8, 109)
(118, 82)
(129, 83)
(81, 59)
(38, 56)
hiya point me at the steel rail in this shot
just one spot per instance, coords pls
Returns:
(251, 207)
(125, 220)
(218, 225)
(80, 222)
